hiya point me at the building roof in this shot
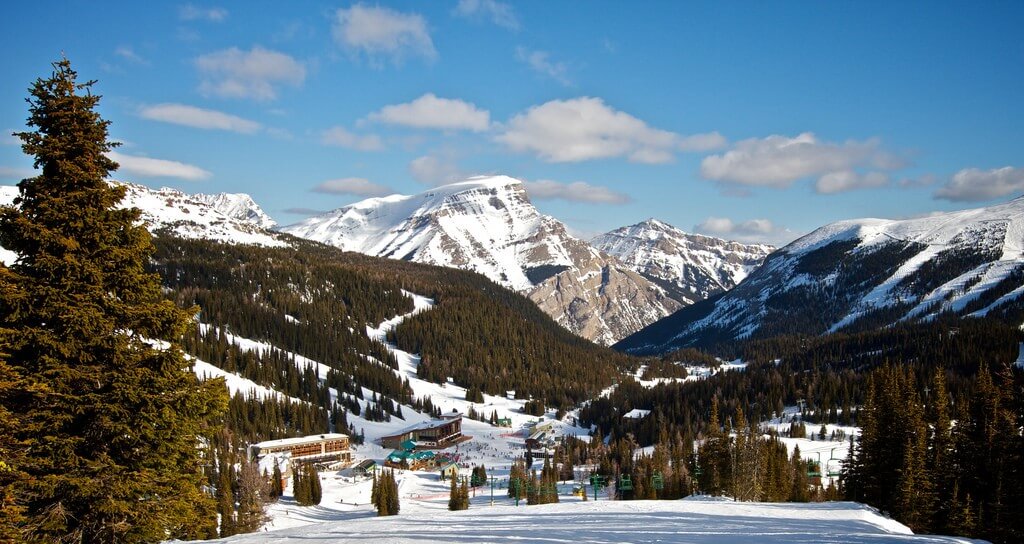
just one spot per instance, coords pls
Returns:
(300, 440)
(423, 425)
(637, 413)
(366, 463)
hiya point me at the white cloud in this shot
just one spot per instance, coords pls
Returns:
(498, 13)
(778, 161)
(973, 184)
(126, 52)
(191, 116)
(382, 33)
(152, 168)
(429, 111)
(695, 143)
(340, 137)
(848, 180)
(255, 74)
(577, 191)
(353, 186)
(540, 62)
(434, 170)
(189, 12)
(753, 231)
(586, 128)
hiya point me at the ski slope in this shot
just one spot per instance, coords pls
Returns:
(696, 520)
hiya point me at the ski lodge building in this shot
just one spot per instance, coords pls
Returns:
(436, 434)
(331, 449)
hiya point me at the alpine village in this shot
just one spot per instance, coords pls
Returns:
(453, 365)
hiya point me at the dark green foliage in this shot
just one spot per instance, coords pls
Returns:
(11, 454)
(964, 481)
(487, 338)
(306, 486)
(949, 264)
(384, 494)
(518, 480)
(827, 372)
(534, 408)
(108, 423)
(477, 334)
(474, 394)
(479, 476)
(276, 486)
(458, 498)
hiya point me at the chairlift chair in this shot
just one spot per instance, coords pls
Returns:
(657, 481)
(625, 483)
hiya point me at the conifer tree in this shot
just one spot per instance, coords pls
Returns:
(276, 489)
(392, 495)
(11, 456)
(94, 339)
(464, 495)
(300, 485)
(315, 490)
(454, 497)
(253, 492)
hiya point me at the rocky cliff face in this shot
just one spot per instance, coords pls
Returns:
(602, 300)
(692, 266)
(488, 225)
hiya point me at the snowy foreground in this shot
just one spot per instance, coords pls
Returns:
(689, 520)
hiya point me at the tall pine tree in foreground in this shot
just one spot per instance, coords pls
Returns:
(108, 411)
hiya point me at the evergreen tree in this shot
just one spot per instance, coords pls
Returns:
(276, 489)
(300, 485)
(454, 496)
(316, 493)
(392, 496)
(11, 456)
(464, 495)
(253, 491)
(120, 415)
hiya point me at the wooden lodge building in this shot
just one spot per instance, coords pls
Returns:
(327, 449)
(436, 434)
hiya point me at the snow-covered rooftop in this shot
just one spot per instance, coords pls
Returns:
(299, 440)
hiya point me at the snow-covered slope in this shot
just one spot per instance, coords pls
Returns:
(238, 206)
(231, 218)
(697, 266)
(488, 225)
(699, 519)
(865, 273)
(484, 224)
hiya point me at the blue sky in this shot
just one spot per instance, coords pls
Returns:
(748, 120)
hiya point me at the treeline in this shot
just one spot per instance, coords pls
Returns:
(941, 463)
(316, 301)
(488, 347)
(826, 374)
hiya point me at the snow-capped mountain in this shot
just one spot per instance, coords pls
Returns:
(693, 265)
(239, 206)
(865, 273)
(231, 218)
(484, 224)
(488, 225)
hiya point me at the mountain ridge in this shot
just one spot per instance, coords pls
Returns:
(487, 224)
(863, 273)
(695, 265)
